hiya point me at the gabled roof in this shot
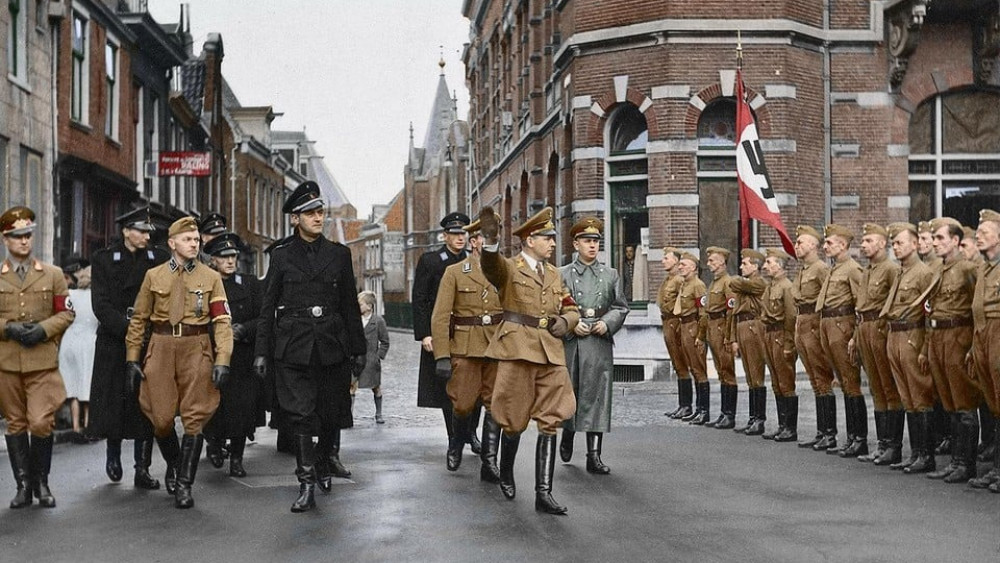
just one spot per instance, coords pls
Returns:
(316, 169)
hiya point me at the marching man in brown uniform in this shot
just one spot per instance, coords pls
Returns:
(986, 338)
(869, 342)
(807, 285)
(34, 312)
(532, 379)
(778, 321)
(747, 335)
(719, 305)
(665, 299)
(465, 317)
(836, 305)
(692, 328)
(183, 300)
(948, 342)
(904, 310)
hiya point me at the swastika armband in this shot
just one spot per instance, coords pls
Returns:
(219, 308)
(61, 303)
(568, 301)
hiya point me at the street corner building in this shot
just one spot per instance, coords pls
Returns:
(866, 111)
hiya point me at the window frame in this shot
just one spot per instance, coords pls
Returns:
(112, 106)
(80, 68)
(17, 42)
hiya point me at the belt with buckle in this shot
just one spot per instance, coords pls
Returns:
(591, 313)
(745, 316)
(315, 311)
(950, 323)
(179, 329)
(774, 327)
(842, 311)
(526, 320)
(688, 318)
(480, 320)
(807, 309)
(867, 316)
(902, 326)
(713, 315)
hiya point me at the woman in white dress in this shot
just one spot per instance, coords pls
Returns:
(76, 353)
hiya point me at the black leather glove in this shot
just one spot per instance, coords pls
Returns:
(239, 332)
(489, 224)
(33, 334)
(358, 363)
(442, 368)
(260, 366)
(14, 331)
(558, 326)
(220, 375)
(133, 376)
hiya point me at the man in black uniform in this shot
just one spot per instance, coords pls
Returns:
(211, 226)
(238, 413)
(432, 383)
(315, 337)
(117, 273)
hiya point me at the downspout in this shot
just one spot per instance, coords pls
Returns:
(232, 183)
(54, 154)
(827, 127)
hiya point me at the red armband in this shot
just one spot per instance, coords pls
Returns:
(61, 303)
(568, 301)
(731, 303)
(219, 309)
(701, 302)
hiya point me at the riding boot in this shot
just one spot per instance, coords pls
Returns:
(190, 454)
(751, 413)
(171, 452)
(113, 463)
(336, 467)
(758, 397)
(703, 404)
(728, 407)
(305, 471)
(893, 453)
(849, 421)
(594, 463)
(942, 428)
(880, 437)
(236, 448)
(829, 439)
(696, 412)
(993, 475)
(965, 439)
(910, 425)
(820, 423)
(18, 450)
(545, 464)
(956, 449)
(791, 431)
(566, 446)
(457, 442)
(779, 406)
(723, 393)
(508, 454)
(685, 388)
(472, 432)
(378, 410)
(489, 471)
(143, 452)
(925, 450)
(40, 454)
(987, 429)
(213, 451)
(859, 412)
(321, 465)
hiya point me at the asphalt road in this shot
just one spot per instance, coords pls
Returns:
(676, 492)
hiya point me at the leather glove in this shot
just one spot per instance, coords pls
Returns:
(220, 375)
(239, 332)
(558, 326)
(260, 366)
(133, 376)
(33, 334)
(489, 225)
(14, 331)
(358, 363)
(442, 368)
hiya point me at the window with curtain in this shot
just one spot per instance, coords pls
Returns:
(626, 170)
(111, 92)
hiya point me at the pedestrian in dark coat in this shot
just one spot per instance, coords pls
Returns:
(117, 272)
(238, 412)
(377, 339)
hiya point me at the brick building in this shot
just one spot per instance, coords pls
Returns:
(867, 111)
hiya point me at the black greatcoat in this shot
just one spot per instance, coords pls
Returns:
(305, 279)
(431, 390)
(240, 409)
(116, 277)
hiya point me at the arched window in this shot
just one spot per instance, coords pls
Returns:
(718, 204)
(954, 167)
(627, 175)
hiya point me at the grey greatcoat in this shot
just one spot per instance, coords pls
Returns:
(598, 292)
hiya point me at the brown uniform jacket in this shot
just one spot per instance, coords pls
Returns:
(720, 295)
(904, 303)
(956, 282)
(666, 297)
(41, 298)
(986, 298)
(205, 302)
(778, 306)
(809, 282)
(876, 281)
(464, 292)
(841, 286)
(522, 292)
(748, 292)
(693, 300)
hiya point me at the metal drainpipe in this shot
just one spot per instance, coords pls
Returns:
(232, 184)
(54, 156)
(827, 127)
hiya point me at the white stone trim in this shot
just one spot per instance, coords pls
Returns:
(778, 145)
(586, 153)
(654, 254)
(646, 103)
(588, 206)
(671, 91)
(582, 102)
(786, 199)
(727, 80)
(621, 88)
(898, 202)
(672, 145)
(897, 150)
(774, 91)
(874, 99)
(757, 102)
(672, 200)
(697, 102)
(845, 201)
(597, 110)
(845, 150)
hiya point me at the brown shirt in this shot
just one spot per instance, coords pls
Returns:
(719, 294)
(876, 282)
(464, 292)
(666, 297)
(986, 298)
(953, 296)
(748, 292)
(841, 286)
(41, 298)
(914, 278)
(693, 301)
(778, 306)
(809, 282)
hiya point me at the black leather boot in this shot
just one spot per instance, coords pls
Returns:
(894, 421)
(758, 397)
(41, 463)
(113, 461)
(728, 407)
(751, 413)
(566, 446)
(143, 452)
(171, 452)
(683, 398)
(594, 463)
(859, 444)
(987, 429)
(18, 451)
(472, 432)
(820, 423)
(702, 414)
(779, 406)
(925, 461)
(545, 464)
(336, 467)
(508, 454)
(848, 424)
(829, 439)
(305, 471)
(457, 441)
(954, 448)
(911, 424)
(791, 431)
(236, 449)
(213, 451)
(190, 455)
(942, 430)
(880, 436)
(489, 471)
(696, 412)
(965, 440)
(992, 476)
(379, 419)
(722, 411)
(321, 465)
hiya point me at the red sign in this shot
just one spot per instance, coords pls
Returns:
(184, 163)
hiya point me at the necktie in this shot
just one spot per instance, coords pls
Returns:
(22, 272)
(677, 302)
(540, 270)
(177, 292)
